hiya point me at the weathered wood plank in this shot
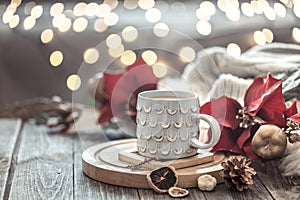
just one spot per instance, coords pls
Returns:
(44, 166)
(255, 191)
(8, 138)
(194, 193)
(275, 183)
(86, 188)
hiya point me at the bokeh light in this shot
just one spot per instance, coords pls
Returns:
(296, 34)
(66, 25)
(12, 7)
(160, 70)
(100, 26)
(146, 4)
(16, 2)
(14, 21)
(79, 9)
(269, 35)
(257, 6)
(259, 38)
(91, 9)
(153, 15)
(208, 8)
(73, 82)
(29, 22)
(111, 19)
(103, 10)
(129, 34)
(56, 9)
(47, 36)
(91, 55)
(270, 13)
(58, 20)
(128, 57)
(113, 40)
(201, 15)
(56, 58)
(130, 4)
(247, 9)
(233, 49)
(284, 1)
(280, 10)
(37, 11)
(7, 16)
(187, 54)
(161, 30)
(116, 52)
(233, 15)
(80, 24)
(28, 6)
(297, 10)
(112, 3)
(149, 57)
(203, 27)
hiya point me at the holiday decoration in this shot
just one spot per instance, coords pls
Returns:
(121, 90)
(269, 142)
(55, 113)
(263, 104)
(162, 179)
(206, 182)
(292, 127)
(177, 192)
(237, 173)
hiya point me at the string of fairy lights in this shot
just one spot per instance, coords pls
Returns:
(105, 15)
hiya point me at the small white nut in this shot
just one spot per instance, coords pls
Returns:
(177, 192)
(207, 182)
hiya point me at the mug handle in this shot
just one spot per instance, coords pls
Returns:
(215, 128)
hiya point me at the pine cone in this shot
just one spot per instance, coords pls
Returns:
(237, 173)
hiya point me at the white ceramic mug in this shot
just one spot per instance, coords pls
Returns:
(168, 124)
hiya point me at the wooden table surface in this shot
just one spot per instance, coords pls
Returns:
(35, 164)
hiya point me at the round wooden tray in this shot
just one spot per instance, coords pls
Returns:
(100, 162)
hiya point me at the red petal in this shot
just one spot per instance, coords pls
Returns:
(295, 118)
(224, 109)
(243, 138)
(254, 92)
(227, 142)
(266, 96)
(292, 110)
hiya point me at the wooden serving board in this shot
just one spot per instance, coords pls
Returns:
(101, 162)
(132, 157)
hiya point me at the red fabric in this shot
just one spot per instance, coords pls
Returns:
(120, 87)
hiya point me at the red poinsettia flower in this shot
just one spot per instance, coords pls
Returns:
(295, 118)
(123, 87)
(263, 103)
